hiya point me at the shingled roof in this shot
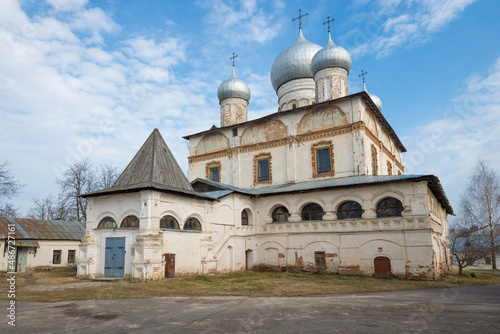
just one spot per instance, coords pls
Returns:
(153, 167)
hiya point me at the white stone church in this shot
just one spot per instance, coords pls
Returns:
(318, 185)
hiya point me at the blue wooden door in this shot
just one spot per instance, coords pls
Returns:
(22, 255)
(114, 264)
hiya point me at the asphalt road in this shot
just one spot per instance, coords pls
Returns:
(456, 310)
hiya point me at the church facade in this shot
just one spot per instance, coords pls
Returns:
(318, 185)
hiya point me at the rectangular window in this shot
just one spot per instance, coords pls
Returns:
(374, 161)
(235, 132)
(71, 256)
(323, 164)
(487, 260)
(214, 174)
(56, 257)
(320, 259)
(263, 170)
(389, 168)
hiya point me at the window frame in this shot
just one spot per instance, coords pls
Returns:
(56, 256)
(318, 255)
(256, 168)
(176, 223)
(309, 214)
(389, 168)
(374, 158)
(322, 146)
(397, 209)
(346, 211)
(274, 215)
(71, 256)
(212, 166)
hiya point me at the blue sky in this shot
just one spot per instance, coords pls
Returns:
(92, 79)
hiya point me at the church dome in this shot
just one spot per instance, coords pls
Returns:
(294, 62)
(233, 87)
(331, 56)
(375, 98)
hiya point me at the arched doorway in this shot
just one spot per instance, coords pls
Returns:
(382, 266)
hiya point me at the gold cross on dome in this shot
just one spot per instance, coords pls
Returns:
(300, 18)
(233, 57)
(328, 21)
(363, 73)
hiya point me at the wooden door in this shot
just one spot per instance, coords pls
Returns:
(22, 255)
(169, 260)
(382, 266)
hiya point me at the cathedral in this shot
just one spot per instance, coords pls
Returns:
(319, 185)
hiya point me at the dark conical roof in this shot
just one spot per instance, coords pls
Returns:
(154, 163)
(153, 167)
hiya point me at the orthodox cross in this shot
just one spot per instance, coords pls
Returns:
(233, 57)
(328, 20)
(300, 18)
(363, 73)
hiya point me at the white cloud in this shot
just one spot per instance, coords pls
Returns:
(243, 21)
(468, 130)
(67, 5)
(398, 23)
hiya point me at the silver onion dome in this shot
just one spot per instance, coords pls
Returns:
(294, 62)
(375, 98)
(233, 87)
(331, 56)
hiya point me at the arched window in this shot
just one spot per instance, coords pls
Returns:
(349, 210)
(389, 207)
(280, 214)
(244, 217)
(130, 222)
(107, 222)
(312, 211)
(169, 223)
(192, 224)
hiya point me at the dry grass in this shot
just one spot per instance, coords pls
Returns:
(252, 284)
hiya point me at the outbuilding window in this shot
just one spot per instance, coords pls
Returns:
(71, 256)
(56, 257)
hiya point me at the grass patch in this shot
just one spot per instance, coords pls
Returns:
(252, 284)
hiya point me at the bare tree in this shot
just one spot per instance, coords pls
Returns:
(10, 186)
(49, 208)
(466, 244)
(480, 204)
(106, 176)
(8, 210)
(78, 179)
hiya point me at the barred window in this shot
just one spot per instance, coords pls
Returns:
(214, 174)
(319, 258)
(323, 161)
(263, 170)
